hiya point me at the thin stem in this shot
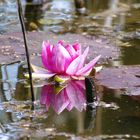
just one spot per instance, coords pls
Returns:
(26, 47)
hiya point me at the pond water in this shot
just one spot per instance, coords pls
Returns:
(113, 115)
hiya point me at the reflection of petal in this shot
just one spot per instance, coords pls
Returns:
(70, 106)
(72, 95)
(46, 93)
(80, 84)
(76, 96)
(59, 102)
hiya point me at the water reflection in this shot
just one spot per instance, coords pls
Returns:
(8, 80)
(84, 119)
(101, 120)
(73, 95)
(61, 5)
(131, 53)
(8, 16)
(32, 12)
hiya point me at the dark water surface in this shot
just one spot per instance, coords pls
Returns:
(114, 117)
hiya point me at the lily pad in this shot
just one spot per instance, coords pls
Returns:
(12, 46)
(124, 77)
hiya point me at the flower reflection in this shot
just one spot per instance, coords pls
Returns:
(73, 95)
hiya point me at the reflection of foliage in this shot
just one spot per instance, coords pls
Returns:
(32, 13)
(133, 52)
(21, 92)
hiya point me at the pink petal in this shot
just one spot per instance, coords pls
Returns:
(61, 42)
(60, 59)
(77, 63)
(71, 51)
(77, 48)
(88, 67)
(73, 67)
(83, 58)
(46, 55)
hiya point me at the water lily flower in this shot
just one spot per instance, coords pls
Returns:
(73, 95)
(64, 60)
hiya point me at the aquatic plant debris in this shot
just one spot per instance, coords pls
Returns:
(64, 61)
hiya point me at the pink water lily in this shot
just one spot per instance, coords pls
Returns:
(73, 95)
(65, 60)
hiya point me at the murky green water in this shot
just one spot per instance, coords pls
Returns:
(116, 116)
